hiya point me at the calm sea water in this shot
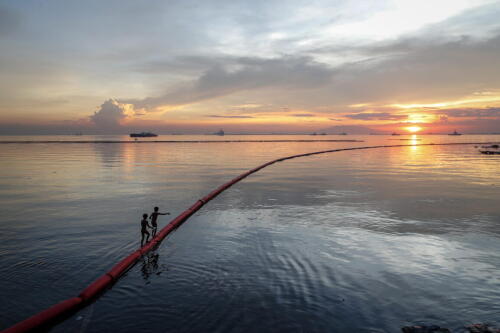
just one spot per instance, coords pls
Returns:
(360, 241)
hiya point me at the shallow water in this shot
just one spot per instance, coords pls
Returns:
(364, 241)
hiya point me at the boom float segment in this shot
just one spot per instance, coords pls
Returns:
(47, 317)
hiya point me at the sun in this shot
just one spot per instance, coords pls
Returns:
(413, 129)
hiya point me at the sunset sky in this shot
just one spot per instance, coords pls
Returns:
(249, 66)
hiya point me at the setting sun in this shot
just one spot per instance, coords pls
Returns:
(413, 129)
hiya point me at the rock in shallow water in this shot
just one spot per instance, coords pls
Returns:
(482, 328)
(425, 329)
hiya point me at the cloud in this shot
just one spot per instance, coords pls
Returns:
(492, 112)
(413, 68)
(243, 73)
(112, 114)
(219, 116)
(303, 115)
(428, 70)
(443, 118)
(375, 116)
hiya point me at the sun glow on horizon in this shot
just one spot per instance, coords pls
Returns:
(413, 129)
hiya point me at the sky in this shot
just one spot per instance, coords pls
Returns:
(375, 66)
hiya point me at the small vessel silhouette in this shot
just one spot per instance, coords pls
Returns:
(455, 133)
(143, 135)
(220, 132)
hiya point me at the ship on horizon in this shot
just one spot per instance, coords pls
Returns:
(220, 132)
(143, 135)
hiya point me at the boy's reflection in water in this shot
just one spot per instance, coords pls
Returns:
(150, 265)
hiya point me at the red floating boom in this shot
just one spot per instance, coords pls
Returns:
(46, 317)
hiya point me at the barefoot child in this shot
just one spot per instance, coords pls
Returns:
(154, 217)
(144, 228)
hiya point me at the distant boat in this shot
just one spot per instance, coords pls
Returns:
(314, 133)
(343, 133)
(221, 133)
(394, 133)
(455, 133)
(143, 135)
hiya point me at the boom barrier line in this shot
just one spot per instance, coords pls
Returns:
(55, 313)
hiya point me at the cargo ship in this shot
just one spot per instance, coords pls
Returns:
(143, 135)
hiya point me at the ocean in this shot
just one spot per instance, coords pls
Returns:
(352, 241)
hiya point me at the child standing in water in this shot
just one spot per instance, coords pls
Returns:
(154, 218)
(144, 228)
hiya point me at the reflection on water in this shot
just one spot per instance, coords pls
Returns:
(360, 241)
(149, 265)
